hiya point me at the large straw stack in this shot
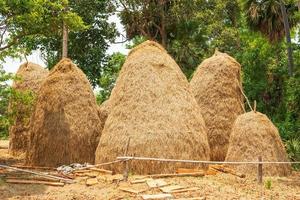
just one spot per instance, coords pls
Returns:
(152, 105)
(217, 88)
(254, 135)
(29, 78)
(65, 125)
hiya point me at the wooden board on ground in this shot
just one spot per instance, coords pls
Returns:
(104, 171)
(16, 181)
(169, 189)
(156, 183)
(193, 198)
(91, 181)
(136, 181)
(133, 190)
(227, 170)
(185, 190)
(186, 170)
(157, 196)
(196, 174)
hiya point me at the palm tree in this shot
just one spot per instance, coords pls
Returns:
(270, 17)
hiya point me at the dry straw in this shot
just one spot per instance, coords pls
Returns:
(103, 111)
(153, 106)
(29, 78)
(254, 135)
(216, 85)
(65, 127)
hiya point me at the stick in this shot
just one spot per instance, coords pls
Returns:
(248, 102)
(254, 109)
(196, 174)
(126, 166)
(259, 171)
(224, 170)
(204, 161)
(38, 173)
(34, 182)
(33, 167)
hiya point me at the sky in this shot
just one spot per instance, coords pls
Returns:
(12, 64)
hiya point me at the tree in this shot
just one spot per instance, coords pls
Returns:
(86, 48)
(188, 29)
(273, 19)
(22, 20)
(109, 76)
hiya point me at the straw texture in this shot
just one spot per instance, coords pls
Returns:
(153, 106)
(216, 85)
(254, 135)
(29, 79)
(65, 124)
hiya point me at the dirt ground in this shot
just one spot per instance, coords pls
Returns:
(220, 186)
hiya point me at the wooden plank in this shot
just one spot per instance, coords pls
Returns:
(132, 190)
(223, 169)
(34, 167)
(156, 183)
(157, 196)
(91, 181)
(185, 190)
(186, 170)
(16, 181)
(140, 180)
(169, 189)
(196, 174)
(104, 171)
(193, 198)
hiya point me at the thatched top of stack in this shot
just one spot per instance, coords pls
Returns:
(29, 77)
(152, 105)
(254, 135)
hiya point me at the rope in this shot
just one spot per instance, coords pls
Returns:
(204, 162)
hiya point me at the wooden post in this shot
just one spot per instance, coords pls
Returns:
(65, 41)
(259, 171)
(126, 164)
(254, 108)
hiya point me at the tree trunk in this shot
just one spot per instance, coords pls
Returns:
(288, 38)
(65, 41)
(163, 32)
(298, 4)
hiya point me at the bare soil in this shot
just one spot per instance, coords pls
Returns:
(220, 186)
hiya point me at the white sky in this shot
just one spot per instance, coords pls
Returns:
(12, 64)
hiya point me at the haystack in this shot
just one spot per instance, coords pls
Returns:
(65, 126)
(216, 86)
(29, 79)
(103, 111)
(153, 106)
(254, 135)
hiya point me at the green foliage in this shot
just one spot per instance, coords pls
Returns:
(14, 105)
(190, 30)
(266, 17)
(5, 91)
(109, 76)
(268, 184)
(23, 22)
(86, 48)
(293, 149)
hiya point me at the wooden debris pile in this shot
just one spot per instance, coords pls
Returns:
(155, 186)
